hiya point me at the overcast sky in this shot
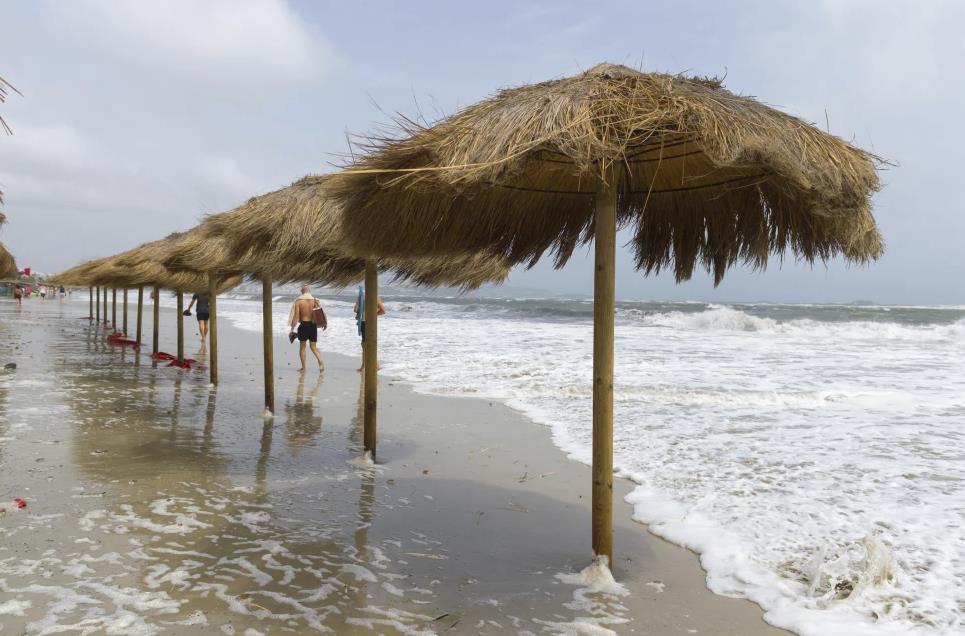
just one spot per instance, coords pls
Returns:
(139, 116)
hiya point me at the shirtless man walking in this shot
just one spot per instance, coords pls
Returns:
(301, 319)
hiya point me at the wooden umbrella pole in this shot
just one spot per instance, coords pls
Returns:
(97, 312)
(603, 316)
(370, 355)
(213, 328)
(140, 312)
(181, 327)
(124, 329)
(157, 319)
(105, 307)
(90, 295)
(114, 308)
(267, 343)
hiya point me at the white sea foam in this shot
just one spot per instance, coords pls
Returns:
(811, 454)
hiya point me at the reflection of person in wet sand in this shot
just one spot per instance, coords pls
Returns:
(303, 325)
(302, 424)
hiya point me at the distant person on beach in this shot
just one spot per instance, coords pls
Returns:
(63, 292)
(18, 295)
(203, 313)
(43, 292)
(359, 310)
(304, 319)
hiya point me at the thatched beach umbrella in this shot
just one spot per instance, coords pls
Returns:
(292, 234)
(138, 268)
(144, 266)
(8, 266)
(702, 176)
(89, 274)
(79, 275)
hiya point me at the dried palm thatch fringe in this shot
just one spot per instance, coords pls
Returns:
(5, 87)
(705, 177)
(8, 266)
(293, 234)
(79, 275)
(142, 266)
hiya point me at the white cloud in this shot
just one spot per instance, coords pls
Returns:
(54, 148)
(224, 175)
(255, 41)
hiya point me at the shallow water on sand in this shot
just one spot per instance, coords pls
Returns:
(159, 505)
(812, 454)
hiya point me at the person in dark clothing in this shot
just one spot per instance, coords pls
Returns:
(203, 312)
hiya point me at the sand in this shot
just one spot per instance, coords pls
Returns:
(158, 504)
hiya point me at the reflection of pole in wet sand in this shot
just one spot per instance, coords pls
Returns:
(152, 389)
(366, 505)
(366, 502)
(175, 406)
(207, 436)
(261, 468)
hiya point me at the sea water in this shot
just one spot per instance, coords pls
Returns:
(812, 455)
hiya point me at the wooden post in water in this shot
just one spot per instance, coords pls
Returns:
(140, 311)
(370, 356)
(157, 318)
(90, 295)
(180, 326)
(97, 312)
(267, 344)
(124, 329)
(114, 308)
(213, 328)
(603, 314)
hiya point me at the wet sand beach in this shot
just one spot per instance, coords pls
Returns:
(158, 504)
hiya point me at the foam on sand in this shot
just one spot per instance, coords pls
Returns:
(769, 438)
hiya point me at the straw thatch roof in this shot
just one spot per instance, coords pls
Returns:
(80, 275)
(293, 234)
(142, 266)
(8, 266)
(704, 176)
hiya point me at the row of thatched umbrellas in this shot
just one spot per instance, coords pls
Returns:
(701, 176)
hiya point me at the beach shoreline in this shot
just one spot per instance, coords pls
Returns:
(467, 493)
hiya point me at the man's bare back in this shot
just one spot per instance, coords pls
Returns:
(304, 309)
